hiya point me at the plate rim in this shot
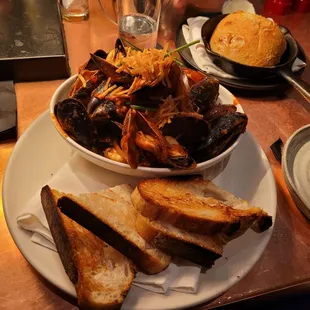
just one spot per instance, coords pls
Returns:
(62, 285)
(14, 236)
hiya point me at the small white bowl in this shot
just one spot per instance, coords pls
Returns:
(61, 93)
(296, 167)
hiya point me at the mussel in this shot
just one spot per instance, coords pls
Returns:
(74, 120)
(149, 138)
(93, 131)
(119, 48)
(90, 64)
(109, 70)
(108, 130)
(128, 144)
(89, 72)
(222, 134)
(151, 97)
(147, 159)
(181, 85)
(101, 109)
(83, 94)
(177, 156)
(219, 110)
(187, 128)
(142, 138)
(204, 94)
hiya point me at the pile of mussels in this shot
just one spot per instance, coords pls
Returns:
(126, 129)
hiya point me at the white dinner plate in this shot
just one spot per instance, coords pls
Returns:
(40, 152)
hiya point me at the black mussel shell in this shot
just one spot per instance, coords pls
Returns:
(106, 109)
(147, 159)
(74, 120)
(119, 48)
(103, 115)
(92, 105)
(101, 109)
(223, 133)
(109, 70)
(218, 111)
(91, 65)
(182, 162)
(152, 96)
(204, 93)
(108, 130)
(187, 130)
(84, 93)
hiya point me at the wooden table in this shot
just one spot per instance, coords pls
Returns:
(285, 262)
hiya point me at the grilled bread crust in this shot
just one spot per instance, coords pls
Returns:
(58, 224)
(198, 206)
(89, 262)
(202, 250)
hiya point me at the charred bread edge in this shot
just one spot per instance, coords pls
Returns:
(56, 225)
(152, 210)
(263, 223)
(174, 245)
(89, 221)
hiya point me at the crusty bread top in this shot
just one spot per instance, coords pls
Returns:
(103, 275)
(194, 204)
(249, 39)
(187, 196)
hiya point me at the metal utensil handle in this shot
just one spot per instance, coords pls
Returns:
(300, 85)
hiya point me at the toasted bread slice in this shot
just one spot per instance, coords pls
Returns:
(197, 205)
(102, 276)
(202, 250)
(110, 215)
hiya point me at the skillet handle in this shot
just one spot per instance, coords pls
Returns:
(300, 85)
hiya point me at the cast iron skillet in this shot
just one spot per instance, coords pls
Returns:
(282, 69)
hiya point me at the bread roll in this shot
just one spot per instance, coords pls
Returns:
(249, 39)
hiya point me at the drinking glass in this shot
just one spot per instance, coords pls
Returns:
(137, 21)
(74, 10)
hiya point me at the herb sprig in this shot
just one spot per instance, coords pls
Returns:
(168, 53)
(141, 108)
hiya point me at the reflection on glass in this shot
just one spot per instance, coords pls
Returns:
(74, 10)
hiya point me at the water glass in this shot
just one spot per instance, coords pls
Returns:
(74, 10)
(137, 20)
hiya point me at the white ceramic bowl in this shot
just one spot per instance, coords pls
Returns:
(295, 165)
(61, 93)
